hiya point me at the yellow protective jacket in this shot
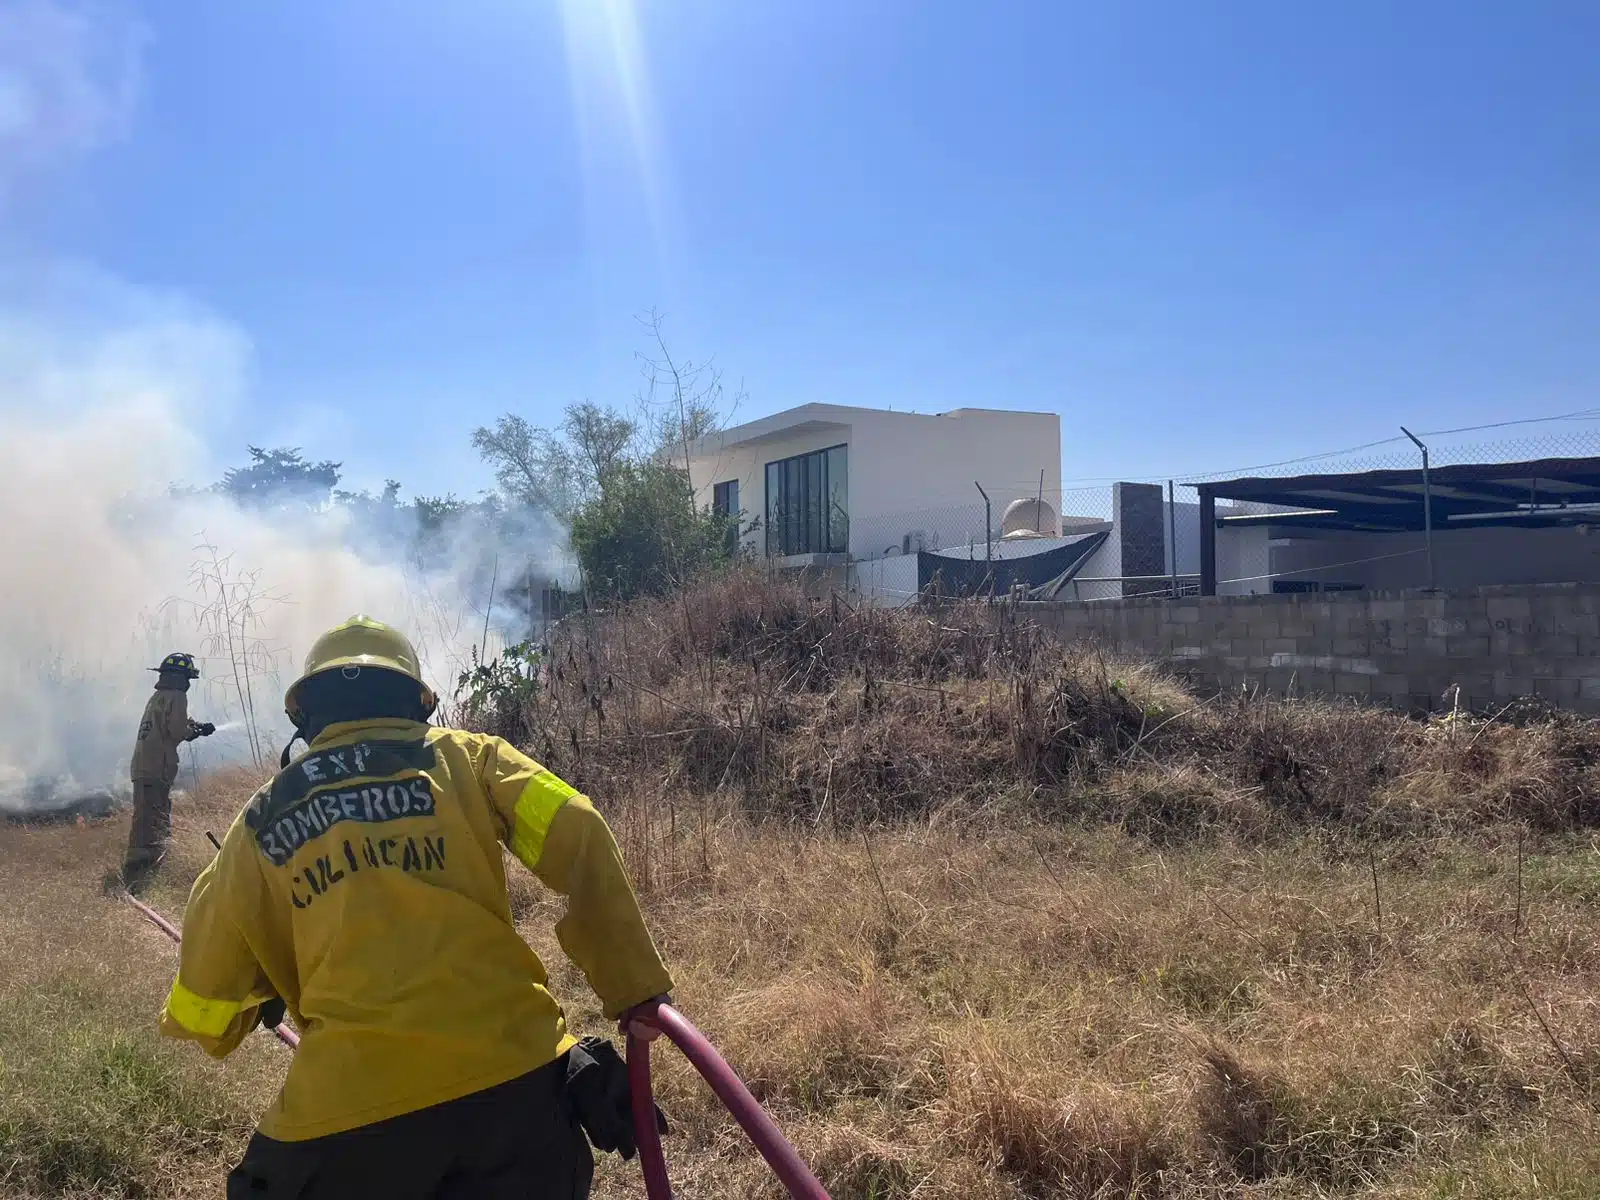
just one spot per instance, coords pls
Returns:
(365, 885)
(164, 726)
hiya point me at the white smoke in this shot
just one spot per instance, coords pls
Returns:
(107, 571)
(105, 391)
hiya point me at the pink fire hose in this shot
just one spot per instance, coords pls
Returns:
(780, 1155)
(286, 1035)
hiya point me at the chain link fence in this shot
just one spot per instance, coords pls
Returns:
(1150, 526)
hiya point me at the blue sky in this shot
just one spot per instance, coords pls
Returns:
(1207, 234)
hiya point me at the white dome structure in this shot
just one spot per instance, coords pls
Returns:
(1029, 516)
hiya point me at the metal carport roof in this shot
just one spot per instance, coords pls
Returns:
(1538, 494)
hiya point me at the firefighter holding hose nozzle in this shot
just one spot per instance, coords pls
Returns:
(364, 890)
(164, 726)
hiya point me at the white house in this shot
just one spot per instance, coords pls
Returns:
(826, 484)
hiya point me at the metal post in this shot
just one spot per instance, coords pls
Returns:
(1038, 505)
(988, 524)
(1427, 503)
(1172, 536)
(1208, 542)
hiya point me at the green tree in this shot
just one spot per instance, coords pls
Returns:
(642, 535)
(280, 478)
(556, 471)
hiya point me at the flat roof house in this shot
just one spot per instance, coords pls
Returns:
(828, 484)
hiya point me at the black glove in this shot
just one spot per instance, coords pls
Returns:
(206, 728)
(601, 1099)
(271, 1013)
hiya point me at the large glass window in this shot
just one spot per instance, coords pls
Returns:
(807, 504)
(725, 504)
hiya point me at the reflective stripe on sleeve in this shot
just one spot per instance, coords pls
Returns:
(538, 805)
(200, 1014)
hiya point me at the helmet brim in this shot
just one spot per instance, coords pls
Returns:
(368, 662)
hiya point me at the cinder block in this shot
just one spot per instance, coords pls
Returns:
(1278, 681)
(1582, 625)
(1548, 605)
(1185, 615)
(1320, 683)
(1508, 606)
(1562, 691)
(1512, 644)
(1467, 647)
(1589, 689)
(1387, 610)
(1390, 685)
(1561, 645)
(1508, 687)
(1463, 607)
(1353, 685)
(1350, 646)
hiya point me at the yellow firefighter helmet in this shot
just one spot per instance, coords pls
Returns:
(359, 644)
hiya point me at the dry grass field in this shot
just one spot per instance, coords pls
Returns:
(976, 916)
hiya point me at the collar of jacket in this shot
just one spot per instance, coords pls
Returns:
(393, 726)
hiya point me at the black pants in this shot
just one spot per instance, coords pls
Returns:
(517, 1141)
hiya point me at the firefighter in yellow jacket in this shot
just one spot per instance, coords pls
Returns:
(364, 888)
(164, 726)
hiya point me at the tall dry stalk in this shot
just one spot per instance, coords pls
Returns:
(229, 616)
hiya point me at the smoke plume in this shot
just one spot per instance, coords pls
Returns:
(110, 393)
(108, 568)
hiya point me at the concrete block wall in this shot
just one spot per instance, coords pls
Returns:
(1406, 649)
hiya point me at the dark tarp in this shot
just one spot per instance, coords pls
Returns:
(1044, 572)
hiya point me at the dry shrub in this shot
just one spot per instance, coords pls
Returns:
(1469, 1076)
(818, 711)
(815, 1041)
(1543, 775)
(1168, 802)
(852, 1162)
(1239, 1111)
(1031, 1118)
(1340, 1130)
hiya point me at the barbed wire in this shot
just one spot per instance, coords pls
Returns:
(1577, 443)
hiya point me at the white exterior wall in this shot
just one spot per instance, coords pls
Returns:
(1244, 559)
(907, 472)
(919, 473)
(889, 582)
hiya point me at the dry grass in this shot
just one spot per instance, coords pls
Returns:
(1138, 945)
